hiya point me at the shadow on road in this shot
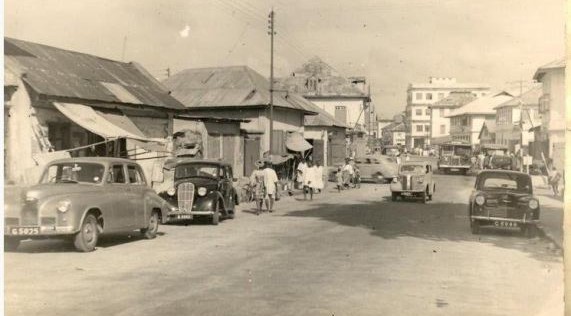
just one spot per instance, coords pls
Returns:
(434, 221)
(66, 245)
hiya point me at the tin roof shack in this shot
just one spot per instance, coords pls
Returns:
(327, 136)
(66, 103)
(240, 92)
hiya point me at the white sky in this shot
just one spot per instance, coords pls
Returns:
(392, 42)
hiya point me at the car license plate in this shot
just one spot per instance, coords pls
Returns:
(454, 169)
(24, 230)
(184, 216)
(506, 224)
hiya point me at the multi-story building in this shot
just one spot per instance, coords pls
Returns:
(439, 111)
(522, 110)
(466, 121)
(394, 134)
(552, 110)
(347, 99)
(420, 96)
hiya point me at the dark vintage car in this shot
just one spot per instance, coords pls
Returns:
(503, 162)
(200, 188)
(504, 198)
(83, 198)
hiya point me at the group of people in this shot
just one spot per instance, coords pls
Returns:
(264, 184)
(348, 176)
(310, 175)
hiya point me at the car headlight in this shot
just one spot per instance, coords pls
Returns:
(395, 180)
(171, 191)
(480, 200)
(201, 191)
(63, 205)
(533, 204)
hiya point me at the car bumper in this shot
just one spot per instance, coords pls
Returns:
(397, 188)
(503, 219)
(39, 231)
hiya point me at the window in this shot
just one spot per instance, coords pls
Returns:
(419, 96)
(427, 111)
(440, 96)
(429, 96)
(135, 175)
(117, 174)
(442, 129)
(418, 112)
(419, 128)
(427, 128)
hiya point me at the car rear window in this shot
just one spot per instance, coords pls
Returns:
(504, 181)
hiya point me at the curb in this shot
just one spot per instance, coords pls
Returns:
(546, 234)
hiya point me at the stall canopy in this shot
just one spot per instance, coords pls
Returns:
(296, 142)
(105, 124)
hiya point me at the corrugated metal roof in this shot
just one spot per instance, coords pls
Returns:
(455, 99)
(329, 82)
(58, 72)
(552, 65)
(221, 87)
(529, 97)
(483, 105)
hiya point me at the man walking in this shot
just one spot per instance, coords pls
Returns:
(270, 185)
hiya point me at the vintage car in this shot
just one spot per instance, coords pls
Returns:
(83, 198)
(372, 168)
(198, 187)
(503, 162)
(503, 198)
(415, 179)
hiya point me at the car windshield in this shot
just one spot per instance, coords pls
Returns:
(505, 181)
(413, 168)
(72, 172)
(196, 170)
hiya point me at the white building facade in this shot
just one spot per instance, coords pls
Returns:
(420, 98)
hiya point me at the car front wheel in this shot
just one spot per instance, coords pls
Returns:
(86, 239)
(216, 215)
(151, 231)
(529, 231)
(475, 227)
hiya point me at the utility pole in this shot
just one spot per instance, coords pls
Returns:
(168, 72)
(271, 33)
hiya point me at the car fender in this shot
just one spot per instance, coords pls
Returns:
(208, 203)
(153, 201)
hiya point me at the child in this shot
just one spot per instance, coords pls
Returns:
(357, 178)
(339, 178)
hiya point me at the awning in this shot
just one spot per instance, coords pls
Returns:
(105, 124)
(440, 140)
(296, 142)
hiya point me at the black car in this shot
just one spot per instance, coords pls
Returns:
(200, 188)
(504, 199)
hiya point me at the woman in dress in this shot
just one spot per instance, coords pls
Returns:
(308, 180)
(318, 185)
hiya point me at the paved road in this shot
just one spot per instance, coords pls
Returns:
(349, 253)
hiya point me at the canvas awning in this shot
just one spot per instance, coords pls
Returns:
(296, 142)
(105, 124)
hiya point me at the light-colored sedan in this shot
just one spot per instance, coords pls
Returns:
(374, 168)
(82, 198)
(415, 179)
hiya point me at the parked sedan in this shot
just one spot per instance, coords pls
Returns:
(504, 199)
(200, 188)
(83, 198)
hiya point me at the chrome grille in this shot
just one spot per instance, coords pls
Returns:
(406, 181)
(29, 214)
(48, 221)
(11, 221)
(185, 196)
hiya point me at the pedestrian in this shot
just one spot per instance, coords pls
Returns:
(257, 186)
(339, 178)
(481, 157)
(357, 178)
(300, 171)
(270, 186)
(398, 159)
(308, 180)
(348, 173)
(318, 177)
(554, 178)
(406, 157)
